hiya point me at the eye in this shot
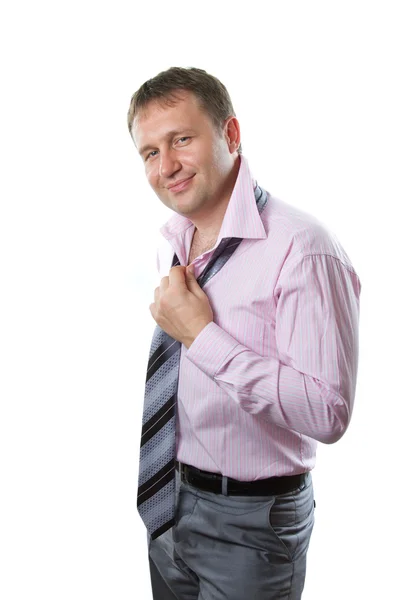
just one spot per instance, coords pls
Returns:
(151, 154)
(184, 139)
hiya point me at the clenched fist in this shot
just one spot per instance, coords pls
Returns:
(180, 306)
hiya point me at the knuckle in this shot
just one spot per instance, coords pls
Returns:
(163, 303)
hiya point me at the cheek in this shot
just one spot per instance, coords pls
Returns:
(152, 175)
(219, 155)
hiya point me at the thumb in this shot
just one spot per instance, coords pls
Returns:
(191, 281)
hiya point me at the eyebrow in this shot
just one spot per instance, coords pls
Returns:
(167, 136)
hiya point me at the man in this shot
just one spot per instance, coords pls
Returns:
(254, 359)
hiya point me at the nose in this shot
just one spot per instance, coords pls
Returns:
(168, 163)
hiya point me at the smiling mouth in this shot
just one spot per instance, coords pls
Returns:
(181, 185)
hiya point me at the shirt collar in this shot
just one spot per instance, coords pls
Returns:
(241, 219)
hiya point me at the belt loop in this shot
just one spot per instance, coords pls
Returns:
(180, 470)
(224, 485)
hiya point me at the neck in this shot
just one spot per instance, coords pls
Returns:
(208, 226)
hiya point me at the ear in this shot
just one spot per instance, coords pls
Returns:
(232, 133)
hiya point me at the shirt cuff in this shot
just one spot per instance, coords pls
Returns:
(211, 349)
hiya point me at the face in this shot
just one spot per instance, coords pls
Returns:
(188, 162)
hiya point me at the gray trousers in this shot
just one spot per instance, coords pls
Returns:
(234, 547)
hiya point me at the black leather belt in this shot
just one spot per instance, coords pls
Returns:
(212, 482)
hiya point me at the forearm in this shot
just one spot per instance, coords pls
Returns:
(317, 407)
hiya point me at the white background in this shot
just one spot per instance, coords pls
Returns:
(315, 88)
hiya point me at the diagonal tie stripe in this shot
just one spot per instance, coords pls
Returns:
(167, 525)
(157, 451)
(157, 421)
(156, 489)
(161, 387)
(161, 355)
(155, 483)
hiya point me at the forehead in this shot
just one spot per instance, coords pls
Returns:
(159, 115)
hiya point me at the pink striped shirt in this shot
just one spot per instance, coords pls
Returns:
(276, 370)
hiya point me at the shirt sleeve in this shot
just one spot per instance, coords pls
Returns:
(309, 387)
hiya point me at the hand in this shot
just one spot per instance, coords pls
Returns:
(180, 306)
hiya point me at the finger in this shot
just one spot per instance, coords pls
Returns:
(164, 284)
(177, 276)
(156, 294)
(191, 280)
(152, 308)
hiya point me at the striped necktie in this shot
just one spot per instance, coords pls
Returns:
(156, 491)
